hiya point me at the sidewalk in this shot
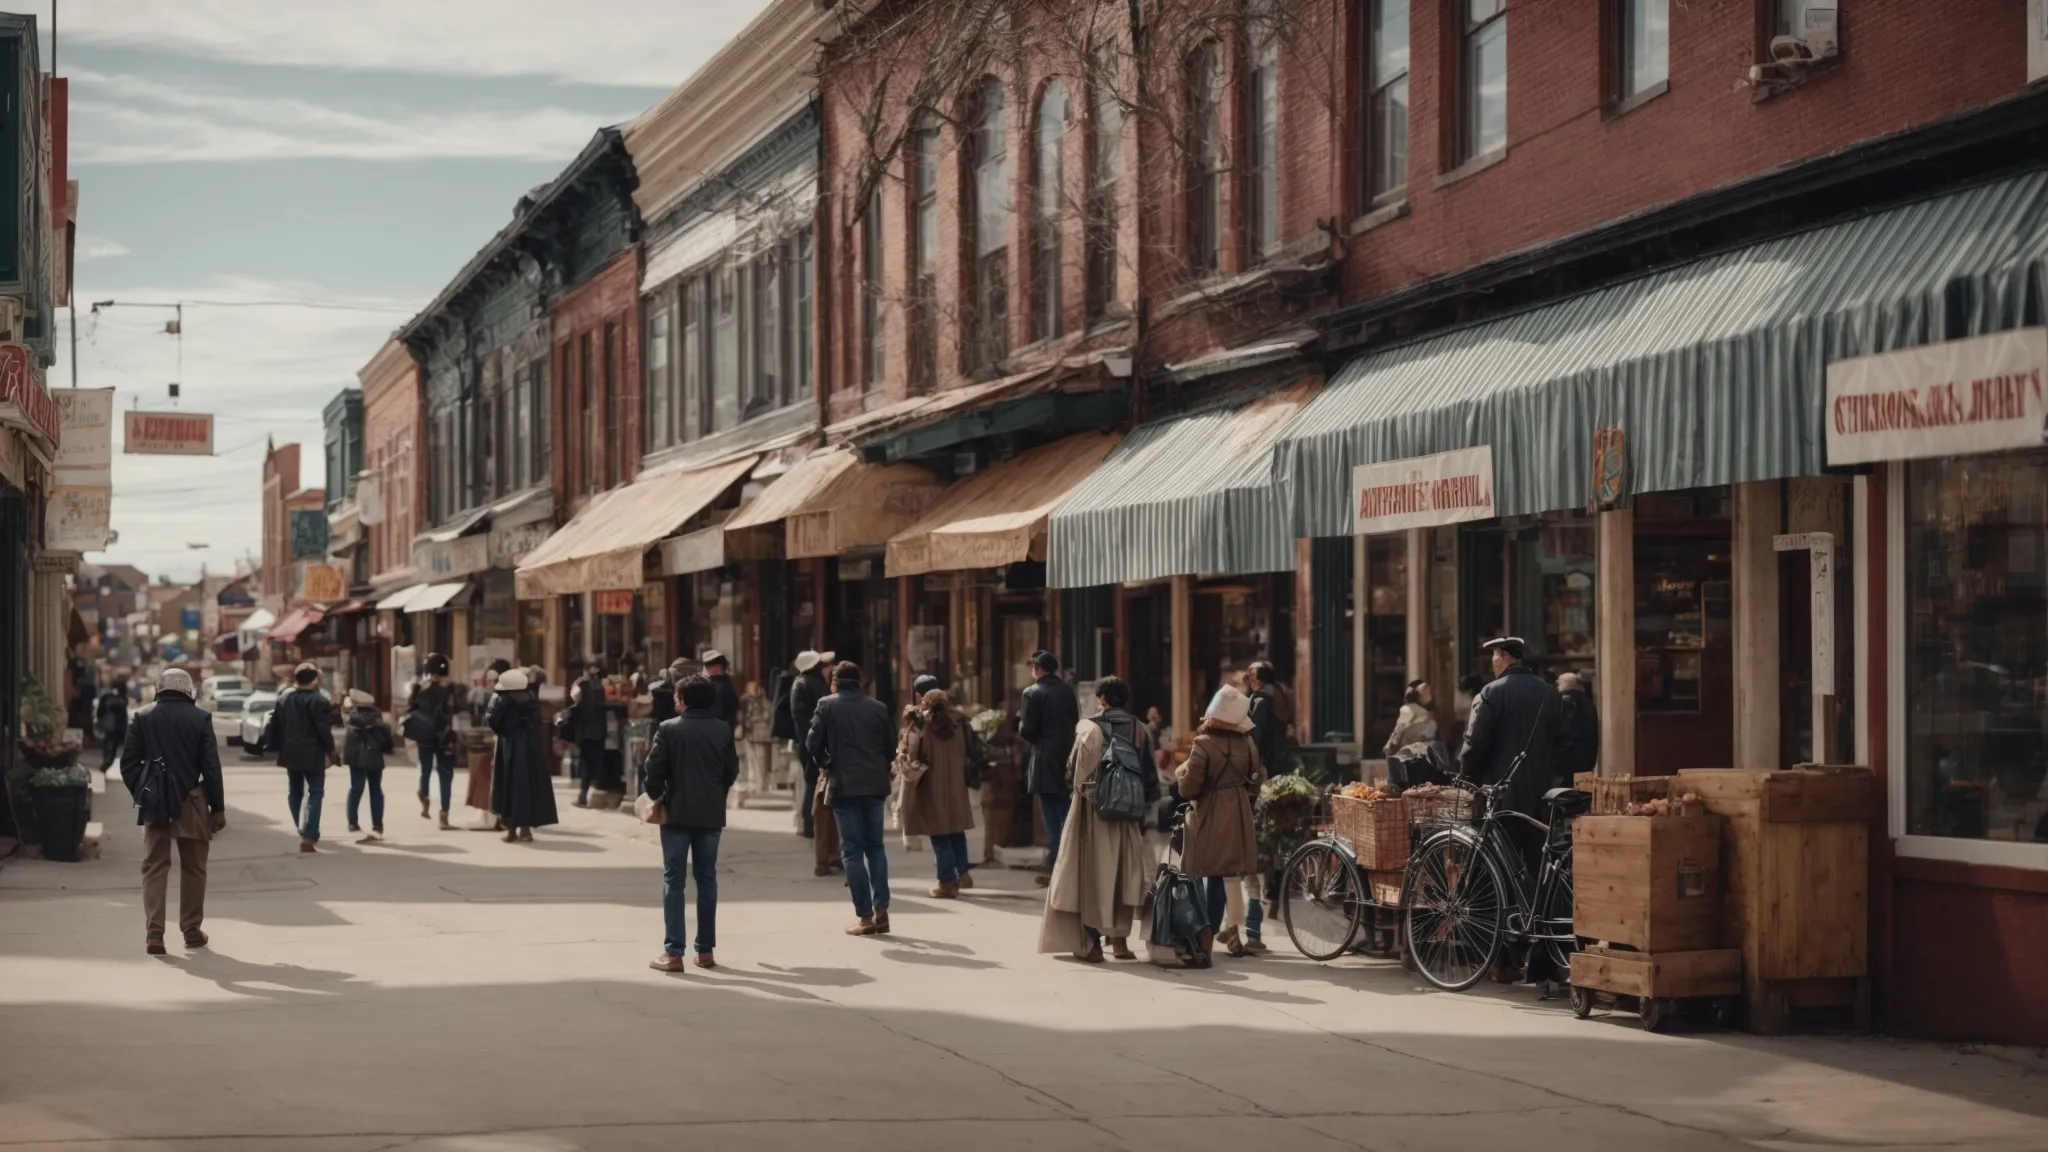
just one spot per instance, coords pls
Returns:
(449, 991)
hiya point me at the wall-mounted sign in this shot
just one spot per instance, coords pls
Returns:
(855, 568)
(438, 559)
(1447, 488)
(308, 533)
(1610, 467)
(23, 397)
(325, 584)
(1959, 397)
(614, 602)
(693, 552)
(85, 456)
(76, 520)
(508, 546)
(167, 433)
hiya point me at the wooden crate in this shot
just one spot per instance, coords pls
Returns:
(1652, 883)
(1659, 975)
(1384, 885)
(1613, 794)
(1795, 860)
(1377, 830)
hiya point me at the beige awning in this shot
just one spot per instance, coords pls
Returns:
(605, 546)
(998, 517)
(832, 502)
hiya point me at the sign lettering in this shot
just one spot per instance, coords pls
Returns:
(1447, 488)
(1984, 394)
(167, 434)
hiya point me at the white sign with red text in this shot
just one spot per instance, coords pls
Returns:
(1983, 394)
(1422, 492)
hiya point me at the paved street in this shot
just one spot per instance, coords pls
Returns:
(449, 991)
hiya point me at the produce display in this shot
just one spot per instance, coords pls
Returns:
(1284, 817)
(1664, 806)
(1362, 791)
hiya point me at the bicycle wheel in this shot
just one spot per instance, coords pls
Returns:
(1321, 899)
(1559, 912)
(1457, 912)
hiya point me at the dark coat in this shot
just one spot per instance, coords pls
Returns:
(785, 723)
(728, 706)
(1578, 734)
(179, 732)
(366, 740)
(521, 793)
(1517, 711)
(1269, 732)
(692, 766)
(1046, 722)
(436, 700)
(111, 717)
(662, 693)
(589, 722)
(300, 731)
(854, 739)
(804, 695)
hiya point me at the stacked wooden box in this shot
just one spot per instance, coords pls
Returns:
(1648, 889)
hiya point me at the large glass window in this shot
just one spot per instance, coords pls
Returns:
(871, 291)
(661, 430)
(725, 349)
(1483, 79)
(800, 315)
(768, 333)
(1386, 634)
(1645, 56)
(990, 218)
(1976, 586)
(1262, 125)
(924, 253)
(1106, 154)
(1205, 160)
(1386, 100)
(1049, 140)
(593, 406)
(693, 358)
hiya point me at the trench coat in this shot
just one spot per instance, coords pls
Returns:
(521, 793)
(1221, 776)
(937, 803)
(1104, 870)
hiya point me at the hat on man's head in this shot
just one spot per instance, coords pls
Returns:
(512, 680)
(713, 656)
(361, 699)
(807, 659)
(175, 680)
(1514, 646)
(924, 684)
(307, 666)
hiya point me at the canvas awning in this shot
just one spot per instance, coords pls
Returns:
(998, 516)
(1183, 496)
(435, 597)
(397, 601)
(605, 546)
(832, 502)
(296, 622)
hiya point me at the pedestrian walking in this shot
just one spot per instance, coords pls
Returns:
(172, 765)
(1415, 723)
(521, 793)
(430, 724)
(852, 739)
(300, 731)
(689, 770)
(1578, 729)
(1513, 737)
(1220, 779)
(110, 721)
(365, 743)
(1104, 868)
(1046, 720)
(813, 820)
(587, 722)
(718, 670)
(1271, 715)
(935, 801)
(757, 734)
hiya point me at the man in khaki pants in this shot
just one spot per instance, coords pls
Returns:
(172, 766)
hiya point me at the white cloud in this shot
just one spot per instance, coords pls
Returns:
(99, 248)
(124, 119)
(610, 42)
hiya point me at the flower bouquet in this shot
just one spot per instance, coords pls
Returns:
(45, 740)
(986, 722)
(1285, 817)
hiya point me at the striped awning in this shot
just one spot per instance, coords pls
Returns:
(605, 545)
(1183, 496)
(832, 502)
(1715, 369)
(999, 516)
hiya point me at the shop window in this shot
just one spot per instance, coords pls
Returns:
(1976, 589)
(1386, 634)
(1262, 127)
(1643, 48)
(1482, 78)
(1385, 118)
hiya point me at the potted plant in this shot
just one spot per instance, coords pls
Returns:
(60, 791)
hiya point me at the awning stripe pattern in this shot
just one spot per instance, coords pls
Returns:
(1715, 369)
(605, 545)
(998, 516)
(1180, 497)
(832, 501)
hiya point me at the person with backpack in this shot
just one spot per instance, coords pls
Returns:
(935, 802)
(1220, 779)
(365, 743)
(301, 732)
(430, 724)
(1104, 867)
(172, 766)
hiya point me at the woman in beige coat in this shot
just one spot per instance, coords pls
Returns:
(1221, 776)
(935, 804)
(1104, 868)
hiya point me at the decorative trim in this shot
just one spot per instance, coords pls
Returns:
(1379, 217)
(1472, 167)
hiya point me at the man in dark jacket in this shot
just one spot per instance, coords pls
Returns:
(1269, 720)
(810, 687)
(1578, 729)
(718, 670)
(1046, 720)
(175, 731)
(587, 725)
(690, 768)
(301, 732)
(661, 692)
(110, 721)
(1515, 714)
(853, 739)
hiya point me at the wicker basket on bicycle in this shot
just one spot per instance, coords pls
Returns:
(1434, 805)
(1377, 830)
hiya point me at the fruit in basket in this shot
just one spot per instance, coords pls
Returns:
(1362, 791)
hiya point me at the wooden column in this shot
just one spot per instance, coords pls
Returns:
(1417, 545)
(554, 658)
(1615, 642)
(1178, 648)
(1758, 516)
(1120, 624)
(904, 607)
(1359, 617)
(1304, 639)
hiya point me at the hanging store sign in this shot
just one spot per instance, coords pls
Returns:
(76, 520)
(23, 397)
(85, 455)
(693, 552)
(1955, 398)
(1447, 488)
(1610, 467)
(451, 558)
(325, 584)
(167, 433)
(508, 546)
(614, 602)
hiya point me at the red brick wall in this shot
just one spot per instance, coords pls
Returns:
(611, 297)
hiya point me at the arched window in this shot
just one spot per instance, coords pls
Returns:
(1049, 138)
(1106, 155)
(924, 250)
(989, 229)
(1262, 130)
(1204, 137)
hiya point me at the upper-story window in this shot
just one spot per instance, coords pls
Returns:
(1644, 28)
(1049, 141)
(924, 252)
(1385, 118)
(592, 415)
(660, 429)
(725, 348)
(1262, 129)
(1205, 157)
(871, 335)
(1106, 155)
(989, 225)
(1483, 78)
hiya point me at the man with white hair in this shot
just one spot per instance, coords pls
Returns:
(172, 766)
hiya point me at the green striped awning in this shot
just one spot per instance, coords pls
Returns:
(1715, 369)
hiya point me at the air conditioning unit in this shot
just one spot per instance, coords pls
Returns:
(1817, 38)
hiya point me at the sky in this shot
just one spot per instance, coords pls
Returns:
(241, 154)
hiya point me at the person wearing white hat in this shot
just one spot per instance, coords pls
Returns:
(810, 687)
(521, 793)
(1221, 775)
(366, 742)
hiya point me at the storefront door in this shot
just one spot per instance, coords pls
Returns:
(1684, 653)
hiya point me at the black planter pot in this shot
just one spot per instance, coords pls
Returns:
(61, 815)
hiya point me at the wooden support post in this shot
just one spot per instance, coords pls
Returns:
(1359, 618)
(1417, 593)
(1758, 516)
(1120, 624)
(904, 607)
(1179, 648)
(1615, 642)
(1304, 640)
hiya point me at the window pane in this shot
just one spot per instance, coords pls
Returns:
(1486, 89)
(1049, 174)
(660, 383)
(725, 350)
(1645, 45)
(767, 322)
(1477, 11)
(1390, 138)
(1389, 41)
(801, 315)
(693, 359)
(992, 177)
(1264, 121)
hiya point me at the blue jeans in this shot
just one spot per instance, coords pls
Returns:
(433, 761)
(950, 851)
(697, 849)
(860, 849)
(1054, 809)
(374, 779)
(589, 766)
(304, 793)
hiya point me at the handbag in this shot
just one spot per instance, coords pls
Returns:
(648, 810)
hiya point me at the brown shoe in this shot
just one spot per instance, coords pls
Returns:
(1254, 946)
(425, 813)
(946, 892)
(1120, 948)
(1230, 941)
(307, 845)
(512, 837)
(704, 960)
(881, 921)
(526, 835)
(965, 882)
(866, 927)
(445, 825)
(195, 939)
(666, 962)
(1088, 956)
(154, 946)
(1042, 880)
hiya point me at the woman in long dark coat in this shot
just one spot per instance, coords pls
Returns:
(521, 793)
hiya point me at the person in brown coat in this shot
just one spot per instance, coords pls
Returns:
(1105, 867)
(935, 800)
(1221, 776)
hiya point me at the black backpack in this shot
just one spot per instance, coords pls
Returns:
(1119, 777)
(157, 797)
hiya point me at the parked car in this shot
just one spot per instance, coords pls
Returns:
(255, 713)
(227, 717)
(214, 687)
